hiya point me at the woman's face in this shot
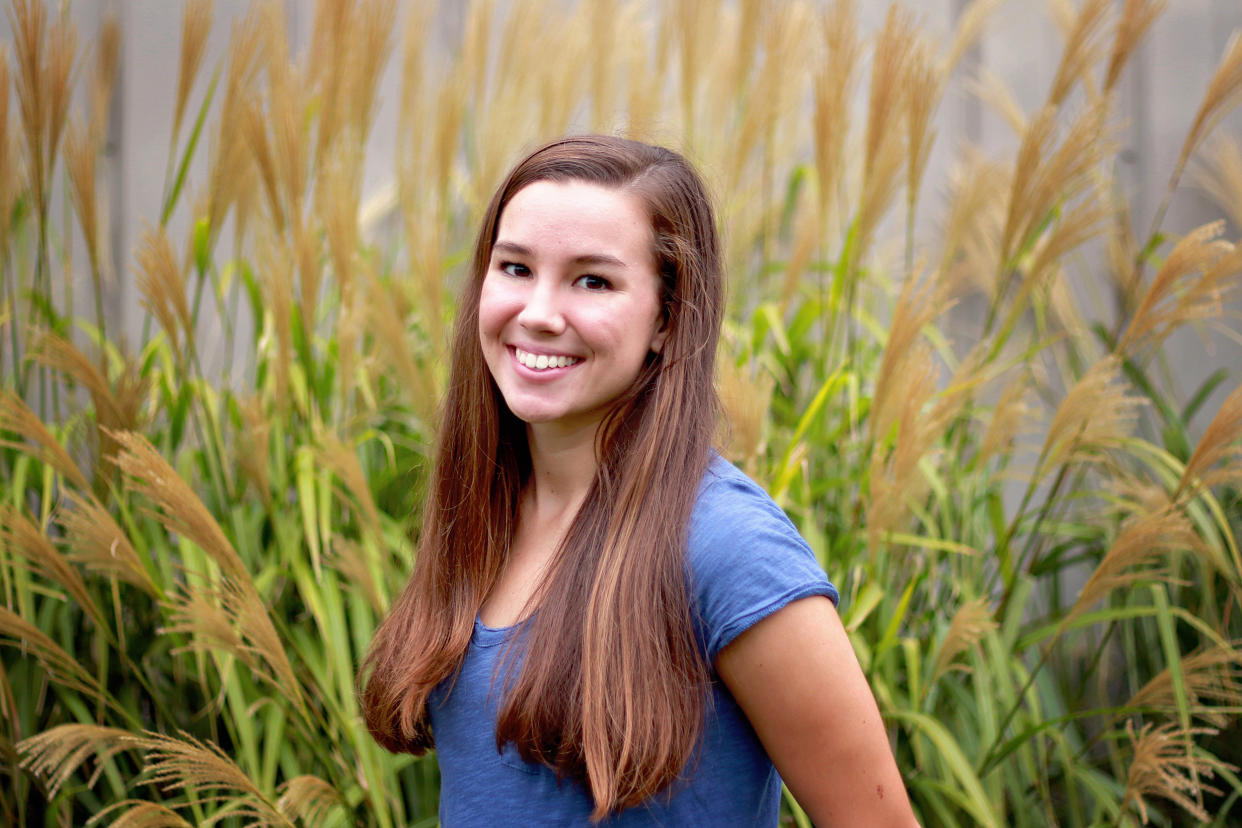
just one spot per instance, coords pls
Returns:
(570, 304)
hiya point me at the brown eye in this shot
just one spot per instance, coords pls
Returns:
(591, 282)
(514, 269)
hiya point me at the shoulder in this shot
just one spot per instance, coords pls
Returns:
(744, 557)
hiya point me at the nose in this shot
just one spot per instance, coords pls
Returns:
(541, 311)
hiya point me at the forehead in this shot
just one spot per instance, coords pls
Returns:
(576, 217)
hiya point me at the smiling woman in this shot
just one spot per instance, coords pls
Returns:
(570, 308)
(606, 620)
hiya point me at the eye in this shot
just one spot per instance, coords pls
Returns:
(592, 282)
(515, 269)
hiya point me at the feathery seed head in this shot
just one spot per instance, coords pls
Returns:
(1136, 555)
(972, 621)
(55, 754)
(17, 417)
(1198, 275)
(177, 507)
(1083, 49)
(1223, 93)
(1220, 175)
(195, 26)
(1095, 414)
(97, 543)
(1167, 765)
(833, 92)
(1218, 456)
(107, 58)
(80, 150)
(20, 535)
(1136, 18)
(162, 285)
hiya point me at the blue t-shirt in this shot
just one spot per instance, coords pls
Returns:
(745, 561)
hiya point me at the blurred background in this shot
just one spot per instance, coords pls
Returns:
(982, 345)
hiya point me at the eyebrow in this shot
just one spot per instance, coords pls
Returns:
(516, 249)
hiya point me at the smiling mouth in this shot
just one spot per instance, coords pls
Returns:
(544, 362)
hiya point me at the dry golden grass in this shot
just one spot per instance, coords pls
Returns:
(98, 543)
(894, 473)
(1095, 414)
(1211, 681)
(1220, 175)
(230, 162)
(276, 273)
(61, 668)
(968, 28)
(1084, 44)
(55, 754)
(45, 58)
(309, 799)
(387, 310)
(177, 763)
(336, 199)
(1217, 458)
(833, 84)
(28, 24)
(19, 535)
(229, 617)
(776, 91)
(1047, 175)
(972, 621)
(919, 302)
(80, 149)
(1136, 19)
(342, 460)
(1165, 766)
(922, 416)
(253, 445)
(117, 404)
(1080, 224)
(1198, 275)
(107, 59)
(745, 396)
(195, 26)
(10, 175)
(58, 71)
(971, 231)
(17, 417)
(1008, 418)
(808, 237)
(162, 285)
(991, 89)
(139, 814)
(894, 46)
(350, 559)
(1223, 93)
(925, 81)
(177, 507)
(1136, 555)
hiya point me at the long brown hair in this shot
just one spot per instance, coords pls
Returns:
(612, 684)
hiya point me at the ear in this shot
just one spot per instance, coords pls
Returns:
(660, 332)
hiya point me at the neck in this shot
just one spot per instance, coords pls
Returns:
(563, 464)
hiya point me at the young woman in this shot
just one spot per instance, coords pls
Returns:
(607, 621)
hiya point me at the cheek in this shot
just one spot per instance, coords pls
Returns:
(493, 310)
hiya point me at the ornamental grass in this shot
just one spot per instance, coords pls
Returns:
(1034, 527)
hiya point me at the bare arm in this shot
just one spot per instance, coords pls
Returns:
(796, 676)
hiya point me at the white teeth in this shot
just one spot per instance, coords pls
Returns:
(542, 362)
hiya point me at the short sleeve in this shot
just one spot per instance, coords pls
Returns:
(745, 558)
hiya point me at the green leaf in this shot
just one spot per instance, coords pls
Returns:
(175, 193)
(974, 800)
